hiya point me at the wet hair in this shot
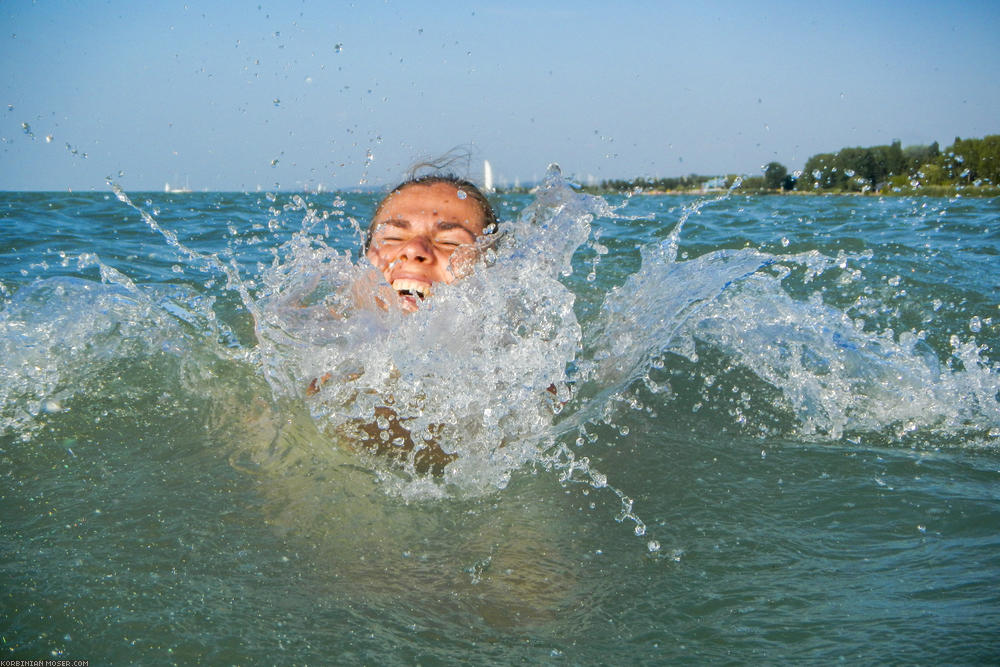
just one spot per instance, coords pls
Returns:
(462, 185)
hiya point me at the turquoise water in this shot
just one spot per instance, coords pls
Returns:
(773, 438)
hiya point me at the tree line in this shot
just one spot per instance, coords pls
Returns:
(967, 162)
(968, 165)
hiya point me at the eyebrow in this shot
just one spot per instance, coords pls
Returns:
(440, 225)
(447, 225)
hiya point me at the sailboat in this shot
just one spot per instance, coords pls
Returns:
(186, 188)
(487, 176)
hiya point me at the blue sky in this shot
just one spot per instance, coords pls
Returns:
(294, 94)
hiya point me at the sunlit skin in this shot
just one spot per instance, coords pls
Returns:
(415, 234)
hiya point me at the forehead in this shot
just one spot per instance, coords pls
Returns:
(435, 202)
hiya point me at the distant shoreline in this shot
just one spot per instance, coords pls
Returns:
(936, 192)
(981, 192)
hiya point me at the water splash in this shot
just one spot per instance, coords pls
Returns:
(840, 379)
(269, 332)
(477, 371)
(59, 336)
(512, 369)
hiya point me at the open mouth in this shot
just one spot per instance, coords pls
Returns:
(412, 288)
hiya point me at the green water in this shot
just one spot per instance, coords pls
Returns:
(810, 454)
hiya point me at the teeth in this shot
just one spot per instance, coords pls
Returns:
(412, 287)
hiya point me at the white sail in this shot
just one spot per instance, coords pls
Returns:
(487, 176)
(173, 190)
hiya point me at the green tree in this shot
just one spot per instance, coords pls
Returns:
(896, 160)
(972, 160)
(917, 156)
(818, 172)
(931, 174)
(774, 175)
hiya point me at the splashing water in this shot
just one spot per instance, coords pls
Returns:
(507, 368)
(480, 369)
(498, 369)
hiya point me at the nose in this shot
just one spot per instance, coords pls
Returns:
(417, 248)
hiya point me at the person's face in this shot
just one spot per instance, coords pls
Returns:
(415, 235)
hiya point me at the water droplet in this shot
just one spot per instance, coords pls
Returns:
(338, 47)
(975, 324)
(462, 194)
(653, 546)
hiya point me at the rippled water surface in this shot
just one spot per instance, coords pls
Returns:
(715, 429)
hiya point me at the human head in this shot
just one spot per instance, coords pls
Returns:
(417, 228)
(460, 184)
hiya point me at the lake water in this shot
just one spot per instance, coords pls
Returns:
(718, 429)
